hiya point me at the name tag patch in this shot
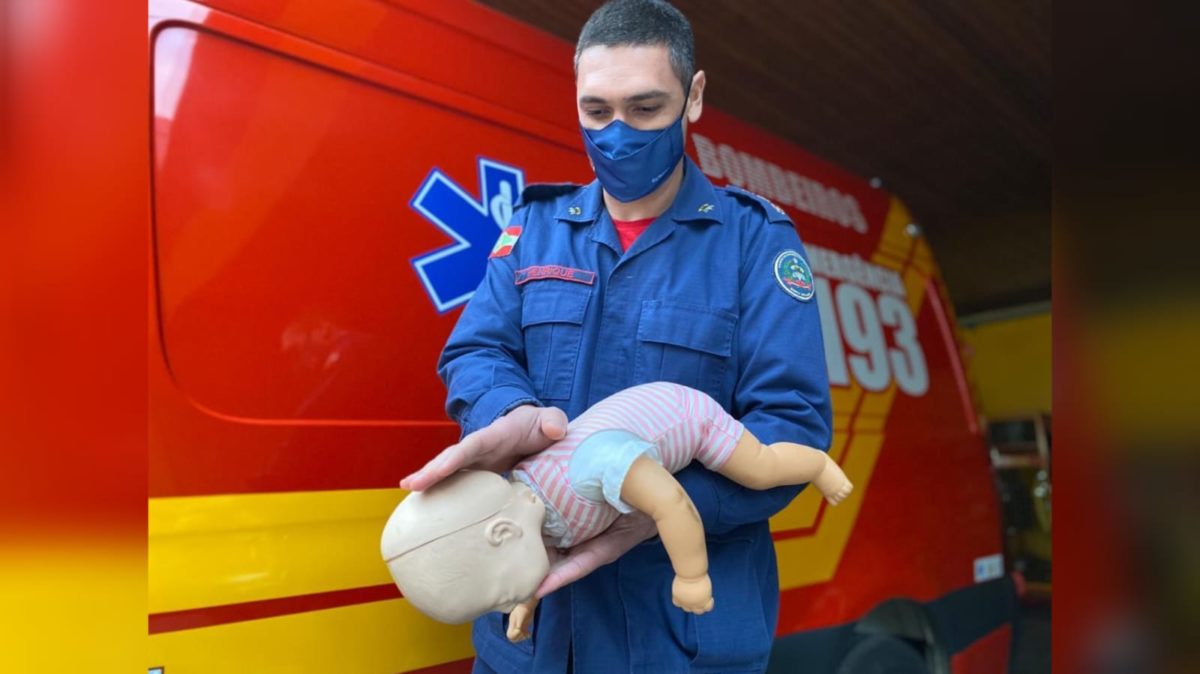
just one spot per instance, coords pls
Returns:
(555, 272)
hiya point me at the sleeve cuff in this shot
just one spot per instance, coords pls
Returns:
(494, 404)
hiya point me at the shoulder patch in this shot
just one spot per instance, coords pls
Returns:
(773, 212)
(794, 275)
(545, 191)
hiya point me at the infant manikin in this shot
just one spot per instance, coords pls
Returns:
(476, 542)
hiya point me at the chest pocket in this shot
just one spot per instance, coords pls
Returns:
(552, 319)
(687, 344)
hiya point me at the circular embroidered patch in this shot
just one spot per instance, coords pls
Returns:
(793, 275)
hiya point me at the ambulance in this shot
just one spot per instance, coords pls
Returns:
(326, 182)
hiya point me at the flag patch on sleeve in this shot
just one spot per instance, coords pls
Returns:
(508, 238)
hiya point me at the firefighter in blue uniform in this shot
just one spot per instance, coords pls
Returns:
(715, 294)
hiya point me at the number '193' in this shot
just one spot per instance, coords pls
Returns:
(861, 320)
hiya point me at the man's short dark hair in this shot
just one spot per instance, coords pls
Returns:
(642, 22)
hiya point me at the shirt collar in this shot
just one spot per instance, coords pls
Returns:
(696, 200)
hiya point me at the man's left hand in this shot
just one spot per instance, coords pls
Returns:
(626, 532)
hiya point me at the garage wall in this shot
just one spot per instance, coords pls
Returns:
(1009, 363)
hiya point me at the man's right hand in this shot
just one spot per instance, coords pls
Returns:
(525, 430)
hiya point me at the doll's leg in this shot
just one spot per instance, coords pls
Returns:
(758, 466)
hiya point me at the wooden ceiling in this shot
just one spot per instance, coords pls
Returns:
(946, 102)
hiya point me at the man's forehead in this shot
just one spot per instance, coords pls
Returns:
(625, 71)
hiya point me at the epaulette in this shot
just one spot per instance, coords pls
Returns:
(545, 192)
(774, 213)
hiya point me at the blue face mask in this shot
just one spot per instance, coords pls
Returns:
(632, 163)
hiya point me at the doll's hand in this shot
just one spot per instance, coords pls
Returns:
(525, 430)
(520, 620)
(579, 561)
(693, 595)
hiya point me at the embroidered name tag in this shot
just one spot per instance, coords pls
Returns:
(556, 272)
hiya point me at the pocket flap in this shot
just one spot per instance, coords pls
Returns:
(554, 302)
(691, 326)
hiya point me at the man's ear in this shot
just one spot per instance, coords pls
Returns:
(696, 97)
(500, 530)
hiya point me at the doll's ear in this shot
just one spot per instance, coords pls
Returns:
(500, 530)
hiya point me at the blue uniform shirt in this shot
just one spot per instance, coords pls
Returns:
(566, 319)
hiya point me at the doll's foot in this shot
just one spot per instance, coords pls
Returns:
(833, 483)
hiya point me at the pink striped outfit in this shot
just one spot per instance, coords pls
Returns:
(673, 425)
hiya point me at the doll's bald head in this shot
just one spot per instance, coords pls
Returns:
(468, 545)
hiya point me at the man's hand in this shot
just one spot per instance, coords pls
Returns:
(579, 561)
(525, 430)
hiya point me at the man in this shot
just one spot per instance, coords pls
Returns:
(649, 273)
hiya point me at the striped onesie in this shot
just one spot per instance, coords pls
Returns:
(579, 477)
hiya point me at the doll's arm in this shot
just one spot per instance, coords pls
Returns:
(521, 619)
(653, 490)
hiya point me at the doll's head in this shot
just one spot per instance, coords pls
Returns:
(469, 545)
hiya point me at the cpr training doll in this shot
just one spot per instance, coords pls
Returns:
(476, 542)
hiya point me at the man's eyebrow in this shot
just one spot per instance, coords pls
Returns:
(636, 98)
(645, 96)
